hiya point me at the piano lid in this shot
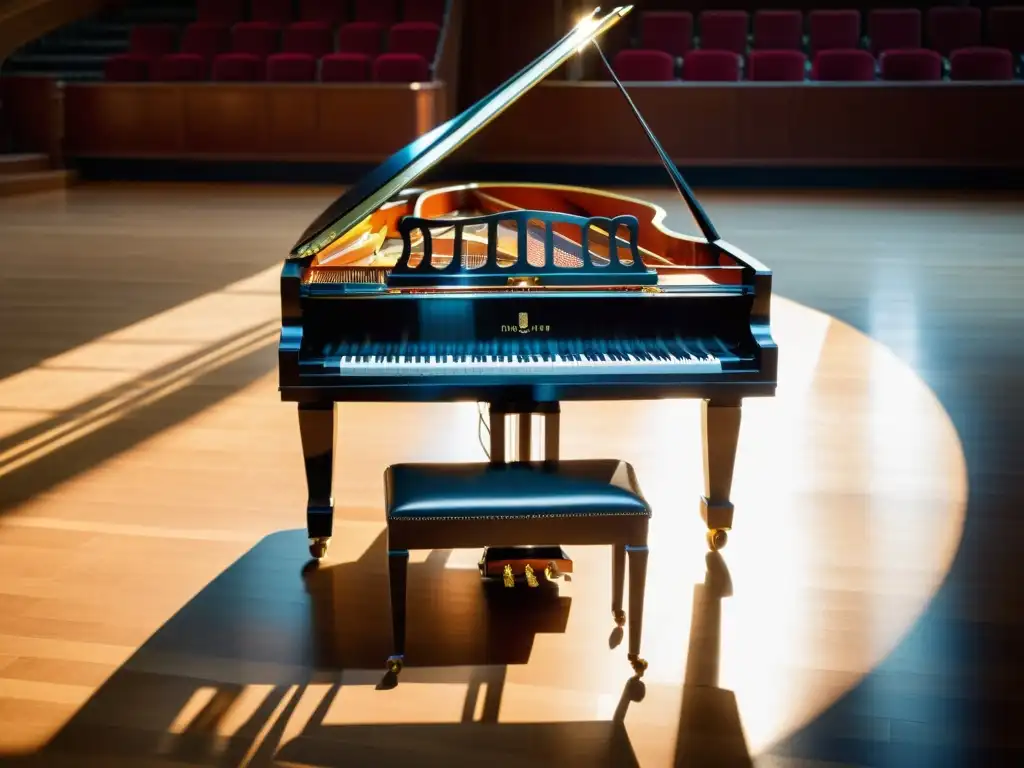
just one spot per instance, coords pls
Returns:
(409, 163)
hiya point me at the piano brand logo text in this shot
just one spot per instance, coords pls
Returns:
(525, 327)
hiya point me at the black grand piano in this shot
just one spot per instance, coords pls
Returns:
(519, 296)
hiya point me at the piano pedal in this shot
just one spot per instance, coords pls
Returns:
(506, 562)
(531, 580)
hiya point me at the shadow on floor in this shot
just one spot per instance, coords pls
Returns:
(247, 672)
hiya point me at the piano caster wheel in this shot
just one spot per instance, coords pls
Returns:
(318, 546)
(395, 665)
(639, 665)
(717, 538)
(620, 618)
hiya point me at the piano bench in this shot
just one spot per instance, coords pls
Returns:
(457, 506)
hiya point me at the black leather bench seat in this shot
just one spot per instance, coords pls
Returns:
(485, 491)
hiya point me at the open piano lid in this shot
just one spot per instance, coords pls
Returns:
(409, 163)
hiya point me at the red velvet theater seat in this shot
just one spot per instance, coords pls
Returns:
(291, 68)
(911, 65)
(981, 64)
(724, 31)
(258, 38)
(382, 11)
(668, 31)
(834, 29)
(711, 66)
(238, 67)
(127, 68)
(365, 37)
(852, 65)
(310, 37)
(401, 68)
(414, 37)
(345, 68)
(777, 66)
(179, 68)
(153, 39)
(220, 11)
(274, 11)
(637, 65)
(424, 10)
(891, 29)
(206, 40)
(779, 30)
(951, 27)
(331, 12)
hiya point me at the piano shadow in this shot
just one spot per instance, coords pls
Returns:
(248, 672)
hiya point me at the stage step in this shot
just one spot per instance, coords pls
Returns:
(21, 164)
(39, 181)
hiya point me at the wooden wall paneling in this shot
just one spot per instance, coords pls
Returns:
(124, 119)
(228, 119)
(293, 116)
(34, 115)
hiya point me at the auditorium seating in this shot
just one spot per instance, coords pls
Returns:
(285, 40)
(834, 45)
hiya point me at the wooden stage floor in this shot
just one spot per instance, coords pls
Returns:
(156, 604)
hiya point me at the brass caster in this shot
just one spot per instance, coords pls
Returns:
(510, 580)
(639, 666)
(620, 618)
(551, 572)
(318, 546)
(395, 664)
(531, 580)
(717, 538)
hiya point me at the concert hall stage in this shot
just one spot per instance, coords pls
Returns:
(158, 606)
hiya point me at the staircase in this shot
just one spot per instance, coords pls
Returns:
(30, 173)
(77, 52)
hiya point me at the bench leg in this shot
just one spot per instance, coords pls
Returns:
(317, 423)
(637, 583)
(618, 582)
(398, 571)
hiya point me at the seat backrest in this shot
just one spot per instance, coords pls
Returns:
(365, 37)
(291, 68)
(345, 68)
(711, 66)
(724, 31)
(834, 29)
(892, 29)
(238, 67)
(414, 37)
(311, 37)
(401, 68)
(843, 65)
(205, 39)
(778, 30)
(981, 64)
(639, 65)
(256, 37)
(777, 66)
(178, 67)
(914, 64)
(952, 27)
(668, 31)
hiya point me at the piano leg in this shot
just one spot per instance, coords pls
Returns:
(720, 427)
(317, 423)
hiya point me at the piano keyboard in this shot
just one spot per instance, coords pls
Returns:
(533, 358)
